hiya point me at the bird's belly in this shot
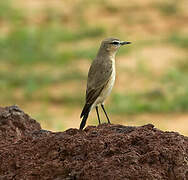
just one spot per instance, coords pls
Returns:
(106, 91)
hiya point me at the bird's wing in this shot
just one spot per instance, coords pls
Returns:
(98, 76)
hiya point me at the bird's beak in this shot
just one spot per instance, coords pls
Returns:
(124, 42)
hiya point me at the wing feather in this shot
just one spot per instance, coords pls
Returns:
(98, 76)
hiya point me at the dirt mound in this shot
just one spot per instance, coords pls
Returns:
(103, 152)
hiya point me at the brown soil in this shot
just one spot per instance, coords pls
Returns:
(103, 152)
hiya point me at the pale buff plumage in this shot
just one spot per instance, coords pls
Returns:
(101, 77)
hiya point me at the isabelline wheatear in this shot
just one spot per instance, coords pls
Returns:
(101, 78)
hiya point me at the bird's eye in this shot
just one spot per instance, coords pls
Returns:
(115, 42)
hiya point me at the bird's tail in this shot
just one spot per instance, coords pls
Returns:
(84, 114)
(84, 119)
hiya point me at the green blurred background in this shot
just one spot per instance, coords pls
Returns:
(46, 48)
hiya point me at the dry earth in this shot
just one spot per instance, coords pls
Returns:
(104, 152)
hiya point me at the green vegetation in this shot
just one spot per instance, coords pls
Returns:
(153, 102)
(179, 40)
(139, 103)
(172, 97)
(29, 45)
(168, 8)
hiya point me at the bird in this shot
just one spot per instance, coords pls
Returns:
(101, 78)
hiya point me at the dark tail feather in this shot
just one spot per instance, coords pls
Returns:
(83, 123)
(84, 114)
(85, 110)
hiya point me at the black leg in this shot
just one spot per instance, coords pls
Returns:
(98, 114)
(105, 113)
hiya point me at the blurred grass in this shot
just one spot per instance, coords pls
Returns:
(25, 43)
(31, 45)
(145, 102)
(172, 97)
(179, 40)
(167, 8)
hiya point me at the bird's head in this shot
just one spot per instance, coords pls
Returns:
(111, 45)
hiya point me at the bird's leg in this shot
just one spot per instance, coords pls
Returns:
(98, 114)
(105, 113)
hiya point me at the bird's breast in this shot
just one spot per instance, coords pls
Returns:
(111, 81)
(108, 88)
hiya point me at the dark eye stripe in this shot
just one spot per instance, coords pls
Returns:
(115, 42)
